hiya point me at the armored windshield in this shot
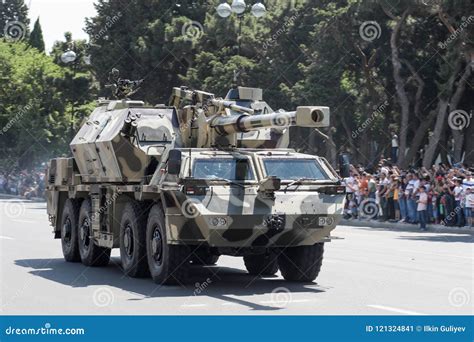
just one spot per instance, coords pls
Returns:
(293, 168)
(223, 168)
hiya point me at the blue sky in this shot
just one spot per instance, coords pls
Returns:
(59, 16)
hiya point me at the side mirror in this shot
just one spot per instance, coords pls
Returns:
(344, 165)
(174, 162)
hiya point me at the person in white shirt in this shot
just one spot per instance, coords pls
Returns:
(469, 207)
(457, 193)
(349, 183)
(422, 206)
(394, 147)
(410, 192)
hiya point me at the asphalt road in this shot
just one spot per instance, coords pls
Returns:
(368, 271)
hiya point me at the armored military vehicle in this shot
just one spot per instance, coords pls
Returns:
(181, 184)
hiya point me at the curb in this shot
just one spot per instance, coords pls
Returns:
(437, 228)
(32, 199)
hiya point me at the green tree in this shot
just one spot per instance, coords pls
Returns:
(32, 110)
(36, 37)
(79, 87)
(143, 45)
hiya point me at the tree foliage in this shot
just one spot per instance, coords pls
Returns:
(36, 37)
(384, 67)
(32, 110)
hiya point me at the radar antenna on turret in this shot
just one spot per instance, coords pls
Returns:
(122, 88)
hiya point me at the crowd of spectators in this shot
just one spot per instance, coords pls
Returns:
(440, 195)
(26, 183)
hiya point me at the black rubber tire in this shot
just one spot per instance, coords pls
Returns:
(262, 264)
(91, 254)
(301, 264)
(133, 240)
(203, 258)
(171, 265)
(69, 223)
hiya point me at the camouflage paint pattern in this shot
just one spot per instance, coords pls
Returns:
(122, 149)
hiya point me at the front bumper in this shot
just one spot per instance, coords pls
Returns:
(250, 230)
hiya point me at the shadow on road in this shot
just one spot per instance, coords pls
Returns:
(224, 283)
(440, 238)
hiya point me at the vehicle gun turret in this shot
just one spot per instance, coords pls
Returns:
(207, 121)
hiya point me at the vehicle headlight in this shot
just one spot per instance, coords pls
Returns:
(218, 221)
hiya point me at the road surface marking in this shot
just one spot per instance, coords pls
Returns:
(437, 254)
(389, 308)
(6, 238)
(23, 221)
(299, 300)
(289, 301)
(193, 305)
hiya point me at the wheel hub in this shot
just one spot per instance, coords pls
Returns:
(157, 245)
(85, 233)
(128, 240)
(67, 229)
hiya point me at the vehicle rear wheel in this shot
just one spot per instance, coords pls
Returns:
(91, 254)
(168, 264)
(133, 240)
(262, 264)
(301, 263)
(69, 223)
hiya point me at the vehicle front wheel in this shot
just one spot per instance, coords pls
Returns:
(168, 264)
(69, 223)
(262, 264)
(301, 264)
(91, 254)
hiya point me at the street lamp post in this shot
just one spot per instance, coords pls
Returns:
(69, 57)
(238, 7)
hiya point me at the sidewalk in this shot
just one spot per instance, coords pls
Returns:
(32, 199)
(437, 228)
